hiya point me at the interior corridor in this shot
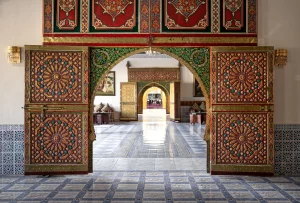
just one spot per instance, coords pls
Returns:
(152, 143)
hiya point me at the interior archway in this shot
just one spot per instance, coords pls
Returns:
(98, 72)
(142, 92)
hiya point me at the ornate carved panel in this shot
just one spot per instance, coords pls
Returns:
(67, 15)
(58, 139)
(233, 15)
(56, 76)
(242, 138)
(56, 109)
(241, 77)
(117, 15)
(153, 74)
(190, 15)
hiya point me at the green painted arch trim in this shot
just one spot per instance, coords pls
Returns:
(198, 59)
(104, 58)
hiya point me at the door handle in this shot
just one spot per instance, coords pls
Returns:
(266, 108)
(42, 109)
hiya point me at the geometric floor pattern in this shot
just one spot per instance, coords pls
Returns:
(154, 144)
(144, 186)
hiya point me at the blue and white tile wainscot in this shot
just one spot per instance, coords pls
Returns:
(11, 149)
(287, 149)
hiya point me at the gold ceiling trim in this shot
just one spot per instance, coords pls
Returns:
(91, 40)
(156, 40)
(196, 40)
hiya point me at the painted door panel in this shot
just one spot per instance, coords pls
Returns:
(242, 137)
(128, 101)
(56, 109)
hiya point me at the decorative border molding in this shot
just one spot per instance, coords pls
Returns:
(150, 56)
(153, 74)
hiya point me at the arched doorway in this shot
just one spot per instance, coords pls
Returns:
(104, 59)
(141, 95)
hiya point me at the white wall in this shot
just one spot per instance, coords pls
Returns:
(279, 26)
(114, 101)
(187, 86)
(20, 24)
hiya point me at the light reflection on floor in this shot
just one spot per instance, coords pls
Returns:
(152, 143)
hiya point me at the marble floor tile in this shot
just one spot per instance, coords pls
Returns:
(183, 195)
(20, 187)
(209, 186)
(234, 186)
(96, 186)
(156, 173)
(151, 186)
(212, 194)
(288, 186)
(180, 187)
(154, 195)
(9, 195)
(37, 195)
(47, 187)
(270, 194)
(73, 187)
(94, 195)
(241, 195)
(124, 195)
(127, 186)
(294, 194)
(65, 195)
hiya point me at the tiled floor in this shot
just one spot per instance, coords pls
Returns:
(153, 144)
(149, 186)
(150, 162)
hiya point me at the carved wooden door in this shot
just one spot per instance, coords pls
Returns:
(56, 109)
(128, 102)
(242, 137)
(175, 101)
